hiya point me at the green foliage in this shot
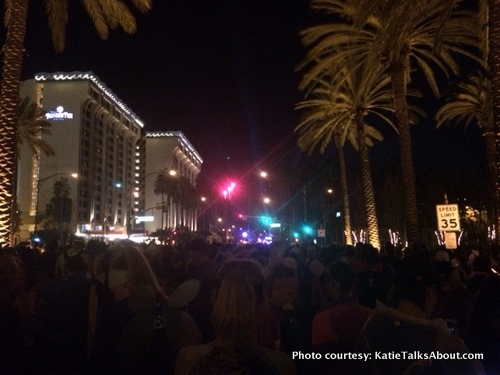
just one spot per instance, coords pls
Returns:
(105, 15)
(467, 102)
(30, 127)
(58, 210)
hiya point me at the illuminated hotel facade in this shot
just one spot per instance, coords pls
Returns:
(184, 161)
(98, 137)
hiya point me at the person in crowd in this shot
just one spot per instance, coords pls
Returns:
(101, 299)
(139, 333)
(453, 301)
(484, 333)
(48, 258)
(277, 324)
(315, 292)
(30, 281)
(337, 329)
(406, 326)
(233, 350)
(283, 323)
(63, 319)
(12, 331)
(202, 268)
(481, 269)
(248, 269)
(373, 284)
(77, 248)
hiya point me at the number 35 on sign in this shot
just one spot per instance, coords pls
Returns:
(448, 217)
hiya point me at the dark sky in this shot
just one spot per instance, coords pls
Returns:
(223, 73)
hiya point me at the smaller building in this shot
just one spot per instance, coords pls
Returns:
(173, 155)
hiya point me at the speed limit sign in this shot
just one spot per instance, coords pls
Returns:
(448, 217)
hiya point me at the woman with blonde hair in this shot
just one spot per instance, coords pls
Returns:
(233, 351)
(130, 270)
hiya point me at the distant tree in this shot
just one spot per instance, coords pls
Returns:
(58, 210)
(329, 121)
(320, 128)
(345, 103)
(166, 185)
(187, 198)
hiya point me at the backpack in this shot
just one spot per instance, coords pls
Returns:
(166, 339)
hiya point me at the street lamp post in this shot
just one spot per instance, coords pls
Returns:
(203, 200)
(227, 194)
(105, 219)
(132, 194)
(165, 207)
(38, 187)
(145, 200)
(130, 206)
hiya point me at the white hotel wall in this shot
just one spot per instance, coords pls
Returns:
(169, 151)
(74, 91)
(65, 141)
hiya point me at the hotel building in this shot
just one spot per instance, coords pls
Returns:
(181, 161)
(98, 137)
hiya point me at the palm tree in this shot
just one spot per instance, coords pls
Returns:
(472, 101)
(469, 101)
(490, 16)
(316, 128)
(105, 15)
(361, 92)
(405, 35)
(58, 210)
(187, 197)
(166, 185)
(30, 128)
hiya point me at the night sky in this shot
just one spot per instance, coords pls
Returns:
(223, 73)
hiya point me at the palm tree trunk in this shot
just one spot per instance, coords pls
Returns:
(489, 140)
(13, 50)
(494, 64)
(406, 154)
(371, 212)
(162, 210)
(345, 193)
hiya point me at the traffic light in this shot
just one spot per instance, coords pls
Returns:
(307, 229)
(266, 220)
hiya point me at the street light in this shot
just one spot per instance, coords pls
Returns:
(39, 185)
(105, 218)
(227, 193)
(203, 200)
(172, 173)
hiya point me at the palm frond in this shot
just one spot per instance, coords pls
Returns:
(57, 15)
(30, 128)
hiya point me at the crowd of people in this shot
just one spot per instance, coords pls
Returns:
(199, 308)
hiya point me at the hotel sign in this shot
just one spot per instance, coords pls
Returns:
(59, 114)
(143, 219)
